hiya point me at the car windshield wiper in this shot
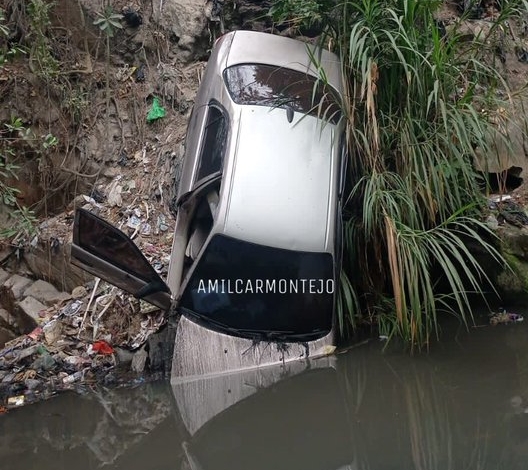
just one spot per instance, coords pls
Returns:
(265, 335)
(302, 337)
(209, 320)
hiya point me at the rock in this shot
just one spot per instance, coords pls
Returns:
(28, 314)
(503, 157)
(111, 172)
(79, 292)
(513, 282)
(4, 276)
(124, 356)
(470, 29)
(183, 19)
(11, 291)
(5, 336)
(514, 240)
(16, 285)
(46, 293)
(32, 384)
(54, 265)
(492, 223)
(6, 318)
(246, 14)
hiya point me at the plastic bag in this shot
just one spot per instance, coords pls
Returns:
(156, 111)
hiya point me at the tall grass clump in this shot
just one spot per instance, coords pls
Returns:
(419, 104)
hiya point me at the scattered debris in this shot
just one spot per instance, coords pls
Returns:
(141, 76)
(125, 72)
(76, 344)
(156, 111)
(504, 317)
(506, 210)
(132, 18)
(16, 401)
(102, 347)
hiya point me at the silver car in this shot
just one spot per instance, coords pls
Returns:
(256, 255)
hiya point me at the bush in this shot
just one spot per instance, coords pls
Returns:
(414, 123)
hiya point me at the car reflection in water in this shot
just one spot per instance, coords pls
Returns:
(269, 418)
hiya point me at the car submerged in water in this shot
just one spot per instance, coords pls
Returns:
(256, 255)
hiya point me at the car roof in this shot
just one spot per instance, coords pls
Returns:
(283, 185)
(244, 47)
(262, 48)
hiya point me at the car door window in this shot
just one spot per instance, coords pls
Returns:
(108, 243)
(213, 144)
(104, 251)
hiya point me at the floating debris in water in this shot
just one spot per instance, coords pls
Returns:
(504, 317)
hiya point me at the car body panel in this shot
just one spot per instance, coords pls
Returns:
(200, 352)
(284, 181)
(259, 48)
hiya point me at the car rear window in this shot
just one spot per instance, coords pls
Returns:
(266, 85)
(261, 292)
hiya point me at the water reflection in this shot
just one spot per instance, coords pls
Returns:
(464, 406)
(297, 423)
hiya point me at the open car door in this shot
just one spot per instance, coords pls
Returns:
(106, 252)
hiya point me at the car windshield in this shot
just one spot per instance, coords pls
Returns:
(260, 292)
(266, 85)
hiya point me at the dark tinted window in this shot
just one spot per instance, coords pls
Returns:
(107, 242)
(261, 292)
(266, 85)
(213, 145)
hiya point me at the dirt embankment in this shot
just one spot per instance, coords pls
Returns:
(81, 96)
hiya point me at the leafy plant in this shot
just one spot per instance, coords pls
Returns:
(298, 12)
(49, 141)
(25, 227)
(9, 52)
(418, 105)
(41, 60)
(108, 21)
(24, 220)
(7, 171)
(16, 135)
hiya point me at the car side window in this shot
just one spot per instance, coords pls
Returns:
(213, 144)
(105, 241)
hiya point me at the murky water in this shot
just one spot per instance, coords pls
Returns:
(462, 406)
